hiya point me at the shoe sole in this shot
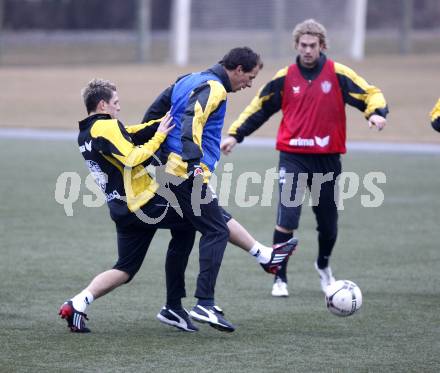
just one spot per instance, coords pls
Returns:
(280, 295)
(196, 317)
(165, 321)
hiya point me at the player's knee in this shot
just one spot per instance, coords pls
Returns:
(221, 233)
(129, 270)
(329, 232)
(187, 235)
(183, 235)
(284, 229)
(288, 220)
(130, 277)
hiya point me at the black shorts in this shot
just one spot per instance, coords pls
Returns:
(318, 173)
(135, 232)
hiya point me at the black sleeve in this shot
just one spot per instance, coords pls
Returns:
(267, 102)
(160, 106)
(435, 116)
(436, 124)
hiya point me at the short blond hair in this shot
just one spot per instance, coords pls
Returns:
(310, 27)
(95, 91)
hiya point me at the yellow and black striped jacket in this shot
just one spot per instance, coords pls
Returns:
(435, 116)
(355, 91)
(116, 155)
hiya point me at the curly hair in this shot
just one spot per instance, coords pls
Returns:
(95, 91)
(310, 27)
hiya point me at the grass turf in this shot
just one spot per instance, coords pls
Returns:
(391, 252)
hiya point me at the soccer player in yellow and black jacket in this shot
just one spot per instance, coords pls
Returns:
(118, 166)
(311, 94)
(435, 116)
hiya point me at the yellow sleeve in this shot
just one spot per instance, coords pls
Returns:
(143, 126)
(360, 94)
(435, 116)
(435, 112)
(113, 141)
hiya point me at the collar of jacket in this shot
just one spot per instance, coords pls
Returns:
(312, 73)
(85, 123)
(220, 71)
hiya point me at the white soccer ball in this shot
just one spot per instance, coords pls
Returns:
(343, 298)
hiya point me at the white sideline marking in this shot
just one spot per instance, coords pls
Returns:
(36, 134)
(352, 146)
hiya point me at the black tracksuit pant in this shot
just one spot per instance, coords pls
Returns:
(207, 218)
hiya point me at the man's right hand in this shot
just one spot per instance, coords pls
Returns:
(228, 144)
(165, 125)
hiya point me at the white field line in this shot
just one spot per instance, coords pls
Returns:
(361, 146)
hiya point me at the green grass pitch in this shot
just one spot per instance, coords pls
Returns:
(391, 252)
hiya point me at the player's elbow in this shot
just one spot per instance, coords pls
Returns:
(134, 159)
(436, 124)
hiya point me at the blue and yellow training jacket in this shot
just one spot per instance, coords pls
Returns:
(198, 105)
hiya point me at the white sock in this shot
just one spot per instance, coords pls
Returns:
(82, 300)
(262, 253)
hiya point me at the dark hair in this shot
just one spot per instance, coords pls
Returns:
(95, 91)
(243, 56)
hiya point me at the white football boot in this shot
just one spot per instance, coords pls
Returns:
(326, 276)
(279, 288)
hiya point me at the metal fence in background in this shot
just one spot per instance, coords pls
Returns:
(35, 32)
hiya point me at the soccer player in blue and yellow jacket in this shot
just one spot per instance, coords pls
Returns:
(435, 116)
(198, 104)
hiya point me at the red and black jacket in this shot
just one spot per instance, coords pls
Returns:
(313, 105)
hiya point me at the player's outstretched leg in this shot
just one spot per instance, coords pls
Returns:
(280, 254)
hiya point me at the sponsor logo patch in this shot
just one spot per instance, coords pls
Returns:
(100, 177)
(326, 86)
(302, 142)
(320, 141)
(87, 146)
